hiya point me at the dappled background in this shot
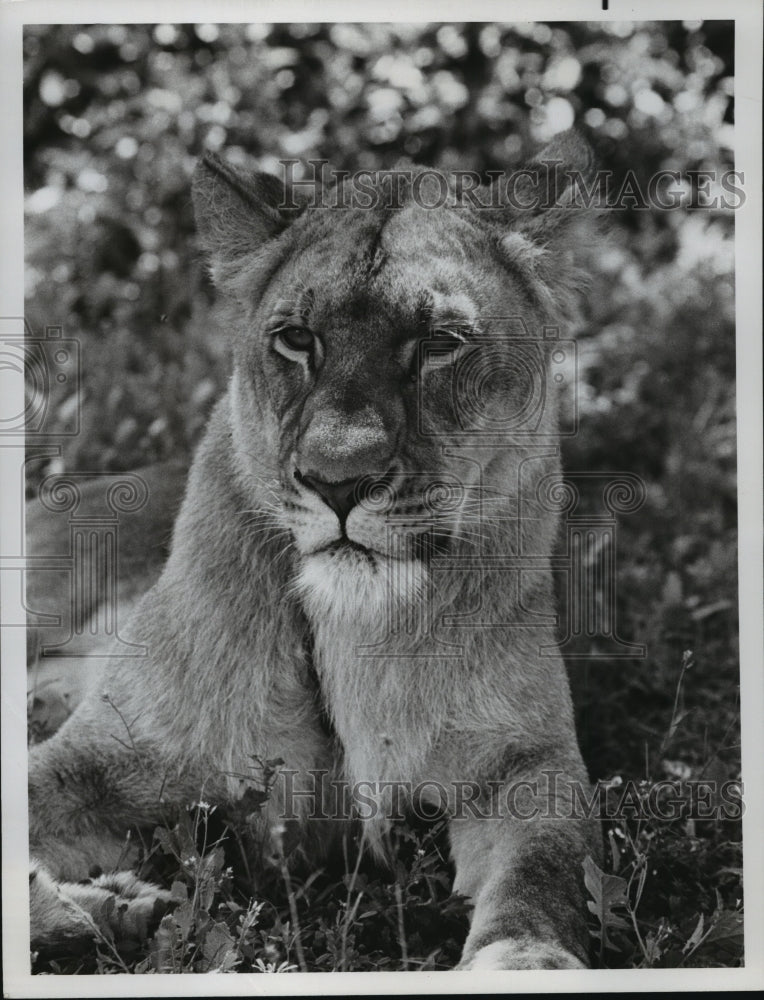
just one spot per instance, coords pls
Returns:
(115, 117)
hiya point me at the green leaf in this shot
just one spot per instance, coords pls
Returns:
(653, 950)
(219, 948)
(696, 937)
(727, 927)
(179, 892)
(607, 892)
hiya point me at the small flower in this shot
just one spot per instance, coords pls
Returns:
(677, 769)
(615, 782)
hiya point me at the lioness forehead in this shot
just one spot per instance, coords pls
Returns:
(400, 262)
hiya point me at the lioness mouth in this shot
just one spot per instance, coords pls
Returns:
(346, 544)
(419, 547)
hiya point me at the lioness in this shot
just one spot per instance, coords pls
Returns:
(359, 578)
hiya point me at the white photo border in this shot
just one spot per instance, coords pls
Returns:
(18, 982)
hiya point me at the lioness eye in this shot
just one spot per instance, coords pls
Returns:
(449, 338)
(296, 338)
(439, 350)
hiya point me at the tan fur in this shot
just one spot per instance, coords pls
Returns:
(459, 695)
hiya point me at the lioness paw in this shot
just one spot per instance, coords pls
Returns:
(521, 954)
(67, 914)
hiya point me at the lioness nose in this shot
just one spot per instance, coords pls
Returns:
(341, 496)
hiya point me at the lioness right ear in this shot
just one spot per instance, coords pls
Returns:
(544, 228)
(237, 213)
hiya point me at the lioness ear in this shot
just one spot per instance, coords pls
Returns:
(558, 168)
(237, 213)
(544, 223)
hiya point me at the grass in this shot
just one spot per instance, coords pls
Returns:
(355, 916)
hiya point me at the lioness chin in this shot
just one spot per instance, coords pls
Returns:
(359, 579)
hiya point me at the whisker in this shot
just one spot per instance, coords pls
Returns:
(272, 563)
(264, 465)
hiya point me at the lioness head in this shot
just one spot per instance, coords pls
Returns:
(385, 356)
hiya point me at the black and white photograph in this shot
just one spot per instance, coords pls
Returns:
(381, 500)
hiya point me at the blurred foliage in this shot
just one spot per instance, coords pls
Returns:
(115, 117)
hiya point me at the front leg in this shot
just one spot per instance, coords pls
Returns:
(521, 861)
(85, 793)
(65, 917)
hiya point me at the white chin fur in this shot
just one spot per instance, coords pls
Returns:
(347, 585)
